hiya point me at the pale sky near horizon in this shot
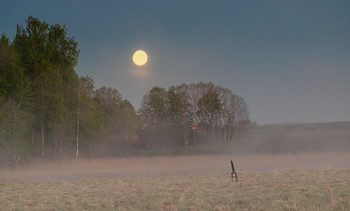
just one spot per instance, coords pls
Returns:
(290, 60)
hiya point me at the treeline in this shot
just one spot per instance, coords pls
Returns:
(46, 109)
(191, 114)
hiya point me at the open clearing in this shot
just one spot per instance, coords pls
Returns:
(304, 181)
(276, 190)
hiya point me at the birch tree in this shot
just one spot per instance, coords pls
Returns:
(48, 57)
(179, 110)
(16, 97)
(85, 92)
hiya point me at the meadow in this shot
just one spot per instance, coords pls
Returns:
(327, 189)
(303, 181)
(280, 167)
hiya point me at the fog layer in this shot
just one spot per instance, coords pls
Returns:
(171, 166)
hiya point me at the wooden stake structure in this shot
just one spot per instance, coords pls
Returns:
(234, 173)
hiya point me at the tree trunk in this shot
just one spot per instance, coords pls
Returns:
(14, 129)
(78, 121)
(236, 132)
(185, 133)
(59, 137)
(33, 133)
(55, 141)
(230, 132)
(42, 122)
(225, 133)
(127, 127)
(60, 144)
(185, 128)
(195, 136)
(14, 111)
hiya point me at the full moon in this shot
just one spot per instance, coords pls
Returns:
(140, 57)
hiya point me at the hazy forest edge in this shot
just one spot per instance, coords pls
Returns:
(48, 110)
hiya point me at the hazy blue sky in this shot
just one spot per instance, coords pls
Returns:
(290, 60)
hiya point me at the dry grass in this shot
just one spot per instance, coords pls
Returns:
(275, 190)
(170, 166)
(308, 181)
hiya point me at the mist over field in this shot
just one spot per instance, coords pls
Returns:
(276, 139)
(170, 166)
(260, 148)
(294, 137)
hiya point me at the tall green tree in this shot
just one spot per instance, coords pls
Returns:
(109, 100)
(153, 110)
(209, 110)
(89, 116)
(85, 91)
(127, 122)
(154, 118)
(120, 117)
(48, 57)
(16, 97)
(179, 110)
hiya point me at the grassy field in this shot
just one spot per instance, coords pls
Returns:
(280, 167)
(275, 190)
(303, 181)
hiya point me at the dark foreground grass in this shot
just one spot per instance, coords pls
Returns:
(278, 190)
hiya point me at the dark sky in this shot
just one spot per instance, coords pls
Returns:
(290, 60)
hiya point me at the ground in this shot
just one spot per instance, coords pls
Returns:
(310, 181)
(276, 190)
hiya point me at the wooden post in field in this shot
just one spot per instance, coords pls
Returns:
(234, 173)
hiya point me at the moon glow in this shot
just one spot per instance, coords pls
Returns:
(139, 57)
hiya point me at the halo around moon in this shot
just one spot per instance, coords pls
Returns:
(140, 57)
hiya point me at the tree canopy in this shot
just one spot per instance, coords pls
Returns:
(193, 113)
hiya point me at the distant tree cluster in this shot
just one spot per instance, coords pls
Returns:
(45, 107)
(191, 114)
(47, 110)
